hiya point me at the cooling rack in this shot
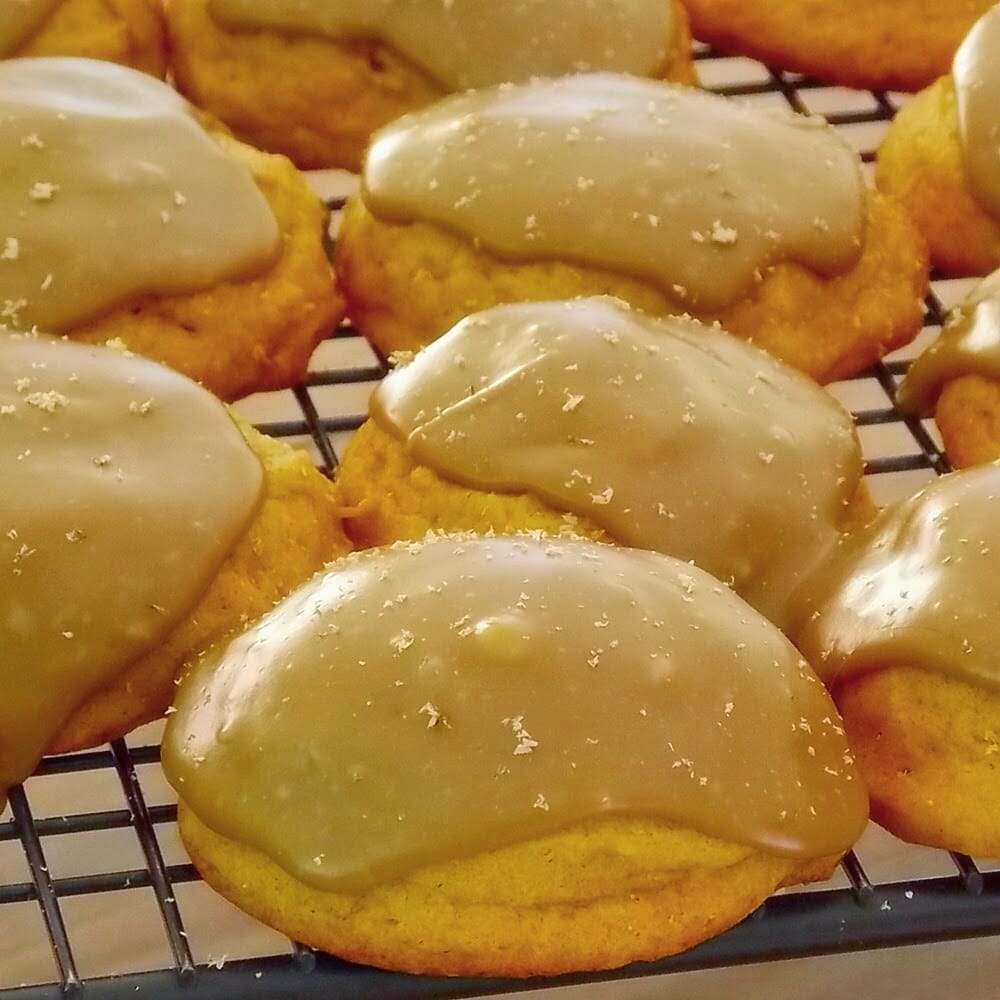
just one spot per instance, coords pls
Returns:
(89, 849)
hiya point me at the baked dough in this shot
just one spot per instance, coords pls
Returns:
(316, 101)
(879, 44)
(296, 530)
(920, 164)
(968, 416)
(130, 32)
(251, 335)
(929, 749)
(405, 285)
(595, 897)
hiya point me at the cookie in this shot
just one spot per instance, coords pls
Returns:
(551, 751)
(671, 199)
(140, 526)
(313, 80)
(957, 379)
(592, 418)
(129, 220)
(878, 45)
(939, 158)
(905, 639)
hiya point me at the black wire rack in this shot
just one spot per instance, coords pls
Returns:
(943, 897)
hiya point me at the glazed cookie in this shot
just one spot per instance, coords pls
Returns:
(140, 525)
(669, 198)
(906, 640)
(958, 379)
(941, 161)
(314, 79)
(879, 44)
(124, 218)
(129, 32)
(509, 757)
(585, 416)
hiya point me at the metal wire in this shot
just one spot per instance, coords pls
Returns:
(864, 915)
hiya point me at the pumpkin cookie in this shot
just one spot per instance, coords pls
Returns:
(140, 526)
(585, 416)
(125, 218)
(671, 199)
(906, 640)
(313, 80)
(958, 379)
(876, 45)
(508, 757)
(940, 158)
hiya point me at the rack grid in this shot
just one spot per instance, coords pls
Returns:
(48, 865)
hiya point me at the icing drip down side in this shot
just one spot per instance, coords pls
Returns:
(668, 434)
(968, 345)
(431, 701)
(111, 190)
(670, 185)
(125, 487)
(922, 591)
(976, 73)
(467, 43)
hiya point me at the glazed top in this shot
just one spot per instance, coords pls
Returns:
(968, 345)
(468, 43)
(922, 592)
(125, 486)
(976, 73)
(689, 191)
(111, 189)
(668, 434)
(20, 19)
(438, 699)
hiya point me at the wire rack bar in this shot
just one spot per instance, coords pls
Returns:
(44, 892)
(158, 876)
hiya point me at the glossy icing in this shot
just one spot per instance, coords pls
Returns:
(969, 344)
(110, 190)
(922, 592)
(691, 192)
(434, 700)
(125, 486)
(668, 434)
(467, 43)
(976, 73)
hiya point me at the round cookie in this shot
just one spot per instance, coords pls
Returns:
(958, 379)
(129, 32)
(317, 97)
(183, 243)
(929, 160)
(537, 813)
(878, 45)
(140, 526)
(588, 418)
(706, 199)
(905, 638)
